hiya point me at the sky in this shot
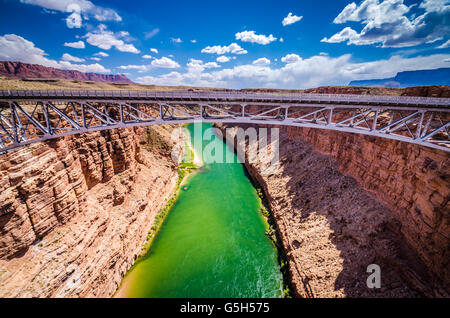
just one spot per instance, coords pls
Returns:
(231, 44)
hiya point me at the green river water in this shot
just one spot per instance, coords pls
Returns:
(212, 243)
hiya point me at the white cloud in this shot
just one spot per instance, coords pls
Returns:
(165, 62)
(252, 37)
(152, 33)
(193, 41)
(16, 48)
(291, 58)
(154, 50)
(199, 66)
(146, 56)
(176, 40)
(223, 59)
(173, 78)
(105, 40)
(70, 58)
(77, 10)
(291, 19)
(233, 48)
(74, 20)
(281, 40)
(392, 24)
(90, 68)
(96, 59)
(102, 54)
(444, 45)
(75, 45)
(434, 5)
(261, 62)
(304, 73)
(140, 68)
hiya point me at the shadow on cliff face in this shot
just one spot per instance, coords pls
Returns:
(333, 230)
(339, 228)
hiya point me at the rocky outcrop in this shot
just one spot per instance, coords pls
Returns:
(23, 70)
(413, 181)
(421, 91)
(75, 212)
(344, 201)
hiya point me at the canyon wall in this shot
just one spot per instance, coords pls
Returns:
(344, 201)
(75, 212)
(412, 181)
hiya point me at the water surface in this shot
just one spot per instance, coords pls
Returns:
(212, 243)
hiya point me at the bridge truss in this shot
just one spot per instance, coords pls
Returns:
(32, 116)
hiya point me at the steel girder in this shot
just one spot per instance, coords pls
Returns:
(26, 119)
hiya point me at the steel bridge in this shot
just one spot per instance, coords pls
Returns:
(29, 116)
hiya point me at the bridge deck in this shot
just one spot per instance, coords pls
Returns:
(227, 96)
(29, 116)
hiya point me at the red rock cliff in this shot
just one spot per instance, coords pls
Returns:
(23, 70)
(75, 212)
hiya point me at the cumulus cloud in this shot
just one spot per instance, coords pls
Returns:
(195, 66)
(165, 62)
(74, 20)
(75, 45)
(77, 9)
(299, 73)
(176, 40)
(102, 54)
(223, 59)
(291, 19)
(193, 41)
(291, 58)
(90, 68)
(16, 48)
(146, 56)
(233, 48)
(105, 40)
(70, 58)
(154, 50)
(252, 37)
(261, 62)
(139, 68)
(392, 24)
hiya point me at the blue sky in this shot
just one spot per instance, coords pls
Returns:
(235, 44)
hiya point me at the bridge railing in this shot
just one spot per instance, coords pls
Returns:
(227, 96)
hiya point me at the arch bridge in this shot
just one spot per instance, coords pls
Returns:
(29, 116)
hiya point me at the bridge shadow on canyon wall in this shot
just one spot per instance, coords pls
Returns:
(333, 229)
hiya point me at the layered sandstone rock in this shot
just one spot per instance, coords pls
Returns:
(24, 70)
(75, 212)
(413, 181)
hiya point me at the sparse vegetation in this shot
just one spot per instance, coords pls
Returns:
(184, 168)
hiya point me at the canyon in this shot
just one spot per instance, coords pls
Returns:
(75, 212)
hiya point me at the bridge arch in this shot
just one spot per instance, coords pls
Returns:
(29, 116)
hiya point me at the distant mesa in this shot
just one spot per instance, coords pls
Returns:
(440, 76)
(23, 70)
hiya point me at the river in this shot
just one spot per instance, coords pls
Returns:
(213, 241)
